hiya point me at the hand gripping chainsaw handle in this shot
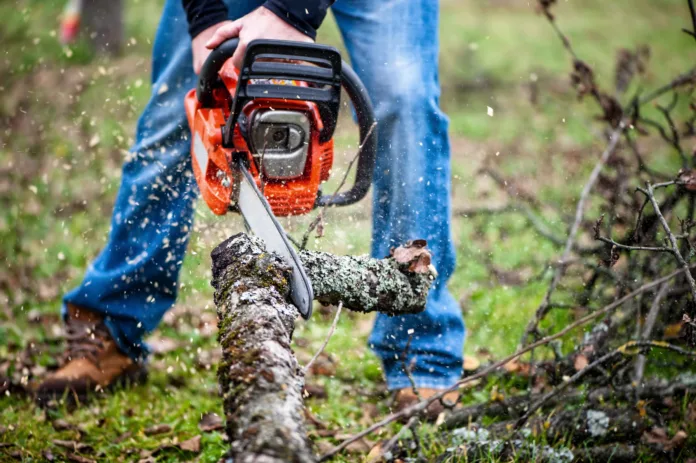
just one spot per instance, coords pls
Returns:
(327, 72)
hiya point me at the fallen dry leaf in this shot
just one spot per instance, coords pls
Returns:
(191, 445)
(324, 446)
(123, 437)
(161, 345)
(673, 330)
(370, 412)
(658, 436)
(471, 363)
(677, 441)
(580, 362)
(72, 445)
(62, 425)
(521, 368)
(414, 253)
(211, 422)
(323, 366)
(375, 454)
(157, 429)
(360, 446)
(316, 391)
(79, 459)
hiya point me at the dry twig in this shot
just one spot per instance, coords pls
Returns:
(320, 217)
(326, 341)
(579, 213)
(423, 404)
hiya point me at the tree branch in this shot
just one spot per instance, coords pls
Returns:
(579, 214)
(423, 404)
(260, 379)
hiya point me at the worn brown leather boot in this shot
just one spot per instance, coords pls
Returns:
(91, 362)
(404, 398)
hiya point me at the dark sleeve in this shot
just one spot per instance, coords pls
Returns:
(305, 16)
(201, 14)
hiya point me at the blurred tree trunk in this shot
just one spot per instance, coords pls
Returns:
(103, 25)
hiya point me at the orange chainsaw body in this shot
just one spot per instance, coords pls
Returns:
(212, 161)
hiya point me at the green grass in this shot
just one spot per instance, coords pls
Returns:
(68, 118)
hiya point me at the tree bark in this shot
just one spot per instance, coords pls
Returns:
(365, 284)
(260, 378)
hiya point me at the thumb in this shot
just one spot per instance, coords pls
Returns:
(228, 31)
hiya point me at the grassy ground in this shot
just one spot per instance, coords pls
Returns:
(68, 119)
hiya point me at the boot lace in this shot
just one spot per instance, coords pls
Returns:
(85, 342)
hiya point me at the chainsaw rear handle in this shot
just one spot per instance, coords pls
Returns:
(328, 72)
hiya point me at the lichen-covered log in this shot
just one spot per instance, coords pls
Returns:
(259, 375)
(395, 285)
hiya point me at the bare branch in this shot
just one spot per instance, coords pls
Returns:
(423, 404)
(634, 248)
(692, 10)
(650, 193)
(392, 442)
(320, 217)
(622, 350)
(647, 329)
(579, 213)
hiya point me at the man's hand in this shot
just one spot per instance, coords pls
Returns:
(198, 44)
(259, 24)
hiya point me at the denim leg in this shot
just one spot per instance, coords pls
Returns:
(393, 47)
(134, 280)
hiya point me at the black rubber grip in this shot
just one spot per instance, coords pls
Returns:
(208, 79)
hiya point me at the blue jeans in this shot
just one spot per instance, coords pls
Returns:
(393, 47)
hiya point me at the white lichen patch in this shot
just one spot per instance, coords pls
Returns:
(688, 379)
(480, 440)
(597, 423)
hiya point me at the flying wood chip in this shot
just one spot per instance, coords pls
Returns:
(414, 253)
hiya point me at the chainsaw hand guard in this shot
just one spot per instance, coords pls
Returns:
(269, 62)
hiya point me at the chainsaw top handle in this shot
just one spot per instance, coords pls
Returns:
(326, 71)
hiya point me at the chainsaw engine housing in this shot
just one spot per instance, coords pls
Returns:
(279, 141)
(278, 117)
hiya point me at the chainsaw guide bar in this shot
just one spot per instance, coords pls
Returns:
(260, 220)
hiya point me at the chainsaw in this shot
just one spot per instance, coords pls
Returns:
(262, 138)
